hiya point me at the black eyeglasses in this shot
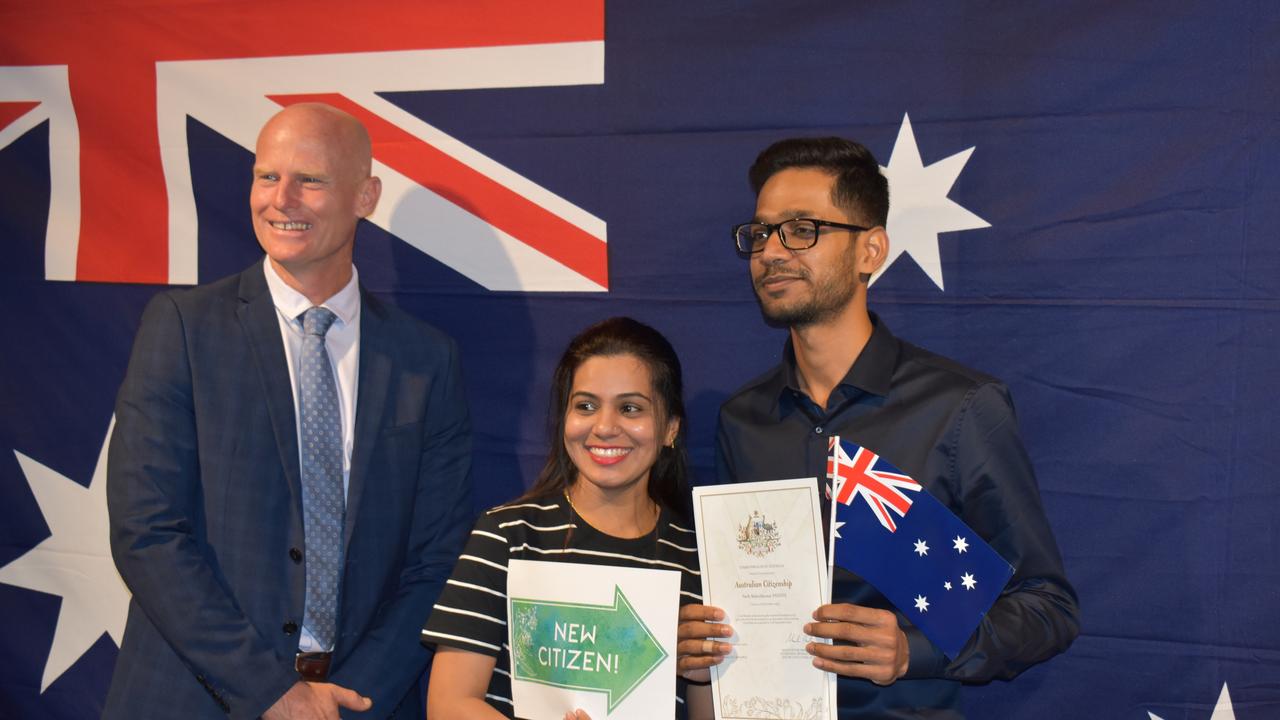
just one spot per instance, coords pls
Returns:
(797, 234)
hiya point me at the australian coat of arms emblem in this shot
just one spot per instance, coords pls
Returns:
(758, 537)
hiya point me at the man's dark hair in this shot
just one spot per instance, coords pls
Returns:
(860, 189)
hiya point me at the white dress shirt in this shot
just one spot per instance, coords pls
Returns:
(343, 343)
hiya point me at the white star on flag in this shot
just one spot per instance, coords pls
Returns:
(1222, 711)
(922, 603)
(74, 562)
(968, 581)
(947, 585)
(919, 208)
(922, 548)
(960, 544)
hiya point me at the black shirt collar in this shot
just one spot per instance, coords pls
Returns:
(871, 372)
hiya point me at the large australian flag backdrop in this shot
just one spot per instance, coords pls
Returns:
(888, 529)
(1086, 198)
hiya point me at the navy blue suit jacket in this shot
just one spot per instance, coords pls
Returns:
(204, 494)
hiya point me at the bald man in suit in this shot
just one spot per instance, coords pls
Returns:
(208, 470)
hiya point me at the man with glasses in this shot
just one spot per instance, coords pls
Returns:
(817, 238)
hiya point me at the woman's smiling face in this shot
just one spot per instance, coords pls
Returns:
(614, 426)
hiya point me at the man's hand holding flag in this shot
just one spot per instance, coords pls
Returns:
(889, 530)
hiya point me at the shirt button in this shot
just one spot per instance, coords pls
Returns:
(290, 628)
(817, 430)
(295, 555)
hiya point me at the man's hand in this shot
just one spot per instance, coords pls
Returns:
(696, 651)
(876, 647)
(315, 701)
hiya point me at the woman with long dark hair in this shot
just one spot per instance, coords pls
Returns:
(613, 491)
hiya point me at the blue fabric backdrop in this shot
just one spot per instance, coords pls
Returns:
(1127, 289)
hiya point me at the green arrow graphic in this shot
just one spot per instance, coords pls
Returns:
(600, 648)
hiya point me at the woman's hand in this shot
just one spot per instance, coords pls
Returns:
(696, 646)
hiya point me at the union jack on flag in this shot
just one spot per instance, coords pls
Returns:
(878, 482)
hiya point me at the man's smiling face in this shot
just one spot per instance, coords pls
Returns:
(311, 185)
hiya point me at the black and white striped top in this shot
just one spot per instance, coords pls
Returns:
(471, 613)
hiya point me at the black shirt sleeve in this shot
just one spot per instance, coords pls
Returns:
(1037, 616)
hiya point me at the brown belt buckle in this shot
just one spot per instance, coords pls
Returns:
(313, 666)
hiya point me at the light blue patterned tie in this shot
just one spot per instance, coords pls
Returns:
(323, 504)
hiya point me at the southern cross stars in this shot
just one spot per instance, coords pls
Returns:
(922, 603)
(960, 544)
(968, 581)
(922, 548)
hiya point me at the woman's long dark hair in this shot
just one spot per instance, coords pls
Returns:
(668, 479)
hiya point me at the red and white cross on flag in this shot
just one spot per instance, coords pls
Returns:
(117, 80)
(857, 475)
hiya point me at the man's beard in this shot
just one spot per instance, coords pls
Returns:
(828, 299)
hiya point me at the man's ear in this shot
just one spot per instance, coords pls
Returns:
(873, 249)
(367, 200)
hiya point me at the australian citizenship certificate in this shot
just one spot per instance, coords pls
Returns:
(764, 563)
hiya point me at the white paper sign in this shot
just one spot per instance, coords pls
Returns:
(592, 637)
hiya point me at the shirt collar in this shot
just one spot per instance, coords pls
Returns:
(871, 372)
(345, 303)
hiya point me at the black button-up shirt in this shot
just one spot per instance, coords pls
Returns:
(953, 430)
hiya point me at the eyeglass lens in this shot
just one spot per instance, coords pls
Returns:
(797, 234)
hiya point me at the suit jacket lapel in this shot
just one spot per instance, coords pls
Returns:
(257, 315)
(376, 366)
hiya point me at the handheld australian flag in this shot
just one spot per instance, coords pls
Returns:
(889, 530)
